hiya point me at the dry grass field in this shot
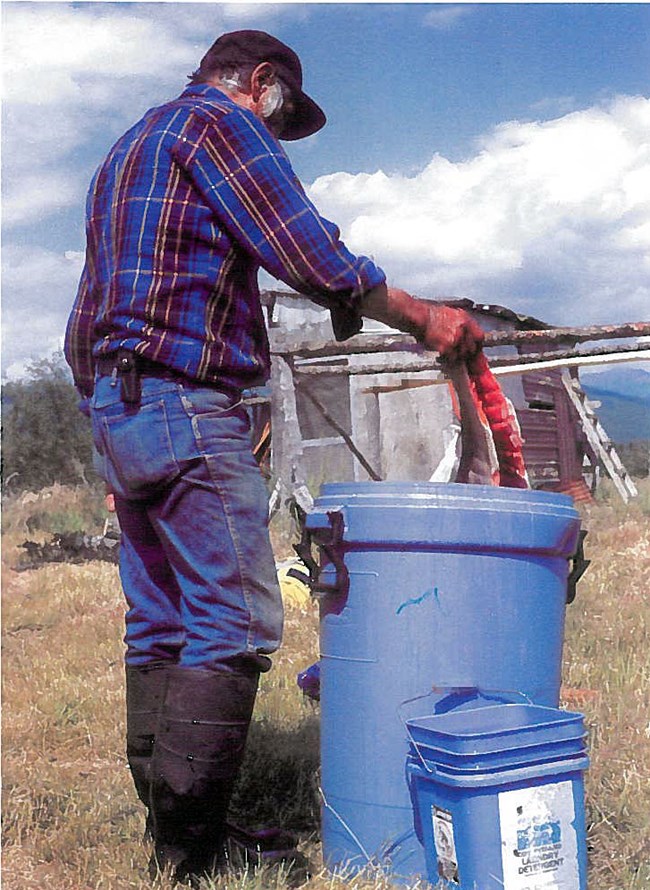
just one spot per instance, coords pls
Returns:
(71, 819)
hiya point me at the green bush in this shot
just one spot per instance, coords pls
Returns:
(45, 438)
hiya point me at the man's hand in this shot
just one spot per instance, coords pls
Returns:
(451, 332)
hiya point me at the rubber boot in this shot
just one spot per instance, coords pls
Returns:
(198, 753)
(145, 693)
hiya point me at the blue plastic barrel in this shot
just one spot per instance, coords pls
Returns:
(425, 585)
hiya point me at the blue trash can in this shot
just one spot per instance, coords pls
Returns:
(425, 585)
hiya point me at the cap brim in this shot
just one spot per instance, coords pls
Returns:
(308, 118)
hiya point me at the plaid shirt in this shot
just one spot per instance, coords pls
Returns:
(187, 206)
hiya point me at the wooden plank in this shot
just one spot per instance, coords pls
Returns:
(599, 440)
(536, 418)
(540, 386)
(321, 443)
(293, 342)
(366, 428)
(498, 366)
(571, 335)
(570, 462)
(286, 441)
(540, 448)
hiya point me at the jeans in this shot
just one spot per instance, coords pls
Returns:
(195, 560)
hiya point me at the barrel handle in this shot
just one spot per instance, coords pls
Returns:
(329, 539)
(578, 565)
(451, 690)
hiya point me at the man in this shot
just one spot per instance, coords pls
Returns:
(165, 333)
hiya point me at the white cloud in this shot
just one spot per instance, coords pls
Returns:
(49, 48)
(445, 17)
(71, 73)
(67, 75)
(44, 272)
(30, 196)
(38, 287)
(550, 218)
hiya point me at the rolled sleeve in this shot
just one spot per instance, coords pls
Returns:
(248, 183)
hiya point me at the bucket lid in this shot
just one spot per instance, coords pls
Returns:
(495, 728)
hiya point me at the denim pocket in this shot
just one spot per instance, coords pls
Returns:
(219, 422)
(139, 447)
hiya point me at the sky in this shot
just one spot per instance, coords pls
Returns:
(494, 151)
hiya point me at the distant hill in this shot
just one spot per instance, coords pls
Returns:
(624, 394)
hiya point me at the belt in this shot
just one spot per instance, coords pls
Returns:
(107, 365)
(125, 364)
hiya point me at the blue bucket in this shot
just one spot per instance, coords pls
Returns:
(425, 585)
(512, 825)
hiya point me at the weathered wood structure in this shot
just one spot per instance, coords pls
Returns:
(378, 406)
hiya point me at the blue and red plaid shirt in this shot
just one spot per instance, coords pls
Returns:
(187, 206)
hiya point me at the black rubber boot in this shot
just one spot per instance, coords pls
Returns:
(145, 694)
(198, 752)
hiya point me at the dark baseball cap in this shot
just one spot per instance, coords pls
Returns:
(253, 47)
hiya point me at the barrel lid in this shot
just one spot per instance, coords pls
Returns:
(443, 493)
(451, 515)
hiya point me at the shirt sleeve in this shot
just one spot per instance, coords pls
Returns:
(246, 179)
(80, 338)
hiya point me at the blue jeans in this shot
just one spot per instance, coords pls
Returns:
(195, 561)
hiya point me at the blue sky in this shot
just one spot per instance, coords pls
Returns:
(495, 151)
(441, 75)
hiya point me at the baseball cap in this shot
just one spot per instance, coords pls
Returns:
(253, 47)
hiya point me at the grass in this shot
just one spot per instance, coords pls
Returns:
(71, 818)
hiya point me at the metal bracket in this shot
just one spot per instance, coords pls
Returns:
(578, 567)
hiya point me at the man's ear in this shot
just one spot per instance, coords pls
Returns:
(263, 76)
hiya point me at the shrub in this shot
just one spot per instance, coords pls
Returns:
(45, 438)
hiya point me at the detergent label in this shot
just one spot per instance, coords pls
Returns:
(539, 847)
(445, 844)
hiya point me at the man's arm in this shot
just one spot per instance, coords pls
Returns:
(451, 332)
(247, 181)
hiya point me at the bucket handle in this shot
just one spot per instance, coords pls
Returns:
(451, 690)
